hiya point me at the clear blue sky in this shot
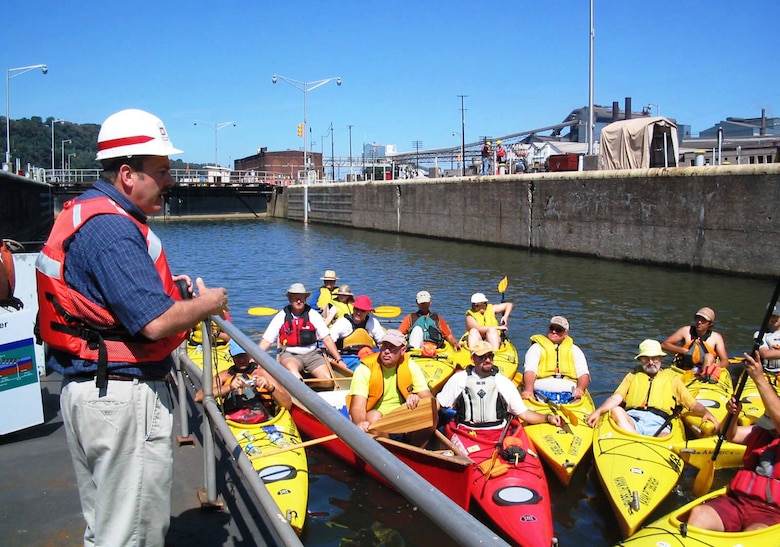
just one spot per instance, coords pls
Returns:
(403, 64)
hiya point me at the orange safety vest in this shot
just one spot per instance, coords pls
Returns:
(376, 384)
(71, 322)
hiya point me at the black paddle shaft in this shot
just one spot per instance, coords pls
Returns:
(744, 376)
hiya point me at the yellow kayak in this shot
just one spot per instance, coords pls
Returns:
(698, 452)
(505, 358)
(712, 394)
(636, 471)
(673, 530)
(752, 405)
(286, 474)
(563, 448)
(437, 368)
(220, 356)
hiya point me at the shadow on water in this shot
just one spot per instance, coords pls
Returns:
(611, 306)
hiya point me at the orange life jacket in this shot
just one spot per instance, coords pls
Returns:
(71, 322)
(376, 384)
(761, 451)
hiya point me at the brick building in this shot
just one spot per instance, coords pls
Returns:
(287, 164)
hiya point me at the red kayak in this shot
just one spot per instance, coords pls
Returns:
(515, 495)
(517, 501)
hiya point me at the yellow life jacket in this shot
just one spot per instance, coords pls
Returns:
(342, 308)
(652, 394)
(555, 361)
(486, 319)
(376, 383)
(325, 297)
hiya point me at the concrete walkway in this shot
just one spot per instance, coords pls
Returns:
(39, 503)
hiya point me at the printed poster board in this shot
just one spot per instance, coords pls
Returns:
(20, 390)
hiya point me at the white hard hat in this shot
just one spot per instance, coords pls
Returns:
(133, 132)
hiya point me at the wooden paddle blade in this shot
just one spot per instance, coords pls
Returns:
(261, 311)
(704, 478)
(387, 312)
(503, 284)
(405, 420)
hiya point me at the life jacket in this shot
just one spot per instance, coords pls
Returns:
(297, 331)
(342, 308)
(325, 298)
(70, 322)
(486, 319)
(7, 278)
(376, 384)
(480, 404)
(653, 394)
(555, 360)
(341, 342)
(501, 155)
(696, 348)
(430, 327)
(486, 151)
(354, 342)
(246, 397)
(760, 478)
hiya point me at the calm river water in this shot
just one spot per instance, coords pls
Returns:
(611, 308)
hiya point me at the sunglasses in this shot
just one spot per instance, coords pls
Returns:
(700, 319)
(556, 329)
(484, 357)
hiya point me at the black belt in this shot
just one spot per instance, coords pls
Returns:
(118, 377)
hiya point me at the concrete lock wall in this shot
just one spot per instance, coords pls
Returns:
(708, 218)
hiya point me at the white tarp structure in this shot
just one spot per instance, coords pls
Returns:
(638, 143)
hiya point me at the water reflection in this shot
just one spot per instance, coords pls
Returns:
(611, 307)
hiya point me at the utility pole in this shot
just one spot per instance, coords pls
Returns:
(417, 145)
(462, 136)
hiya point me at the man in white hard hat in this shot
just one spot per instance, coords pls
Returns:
(111, 313)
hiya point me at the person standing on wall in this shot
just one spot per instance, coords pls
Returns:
(487, 153)
(111, 314)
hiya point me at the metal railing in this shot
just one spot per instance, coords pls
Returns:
(459, 524)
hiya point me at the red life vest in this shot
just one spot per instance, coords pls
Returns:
(761, 447)
(71, 322)
(297, 331)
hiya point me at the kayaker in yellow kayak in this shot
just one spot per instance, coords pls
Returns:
(554, 365)
(697, 347)
(649, 396)
(752, 500)
(482, 322)
(770, 345)
(426, 326)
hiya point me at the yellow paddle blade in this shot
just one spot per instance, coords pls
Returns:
(503, 284)
(703, 481)
(387, 312)
(261, 311)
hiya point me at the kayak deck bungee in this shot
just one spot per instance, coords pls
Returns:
(636, 471)
(712, 393)
(515, 496)
(285, 474)
(505, 357)
(563, 448)
(672, 530)
(437, 368)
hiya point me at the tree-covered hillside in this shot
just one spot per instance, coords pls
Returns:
(31, 143)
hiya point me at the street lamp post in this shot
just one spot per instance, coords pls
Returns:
(305, 87)
(350, 150)
(657, 109)
(62, 152)
(53, 123)
(8, 77)
(462, 136)
(70, 156)
(216, 127)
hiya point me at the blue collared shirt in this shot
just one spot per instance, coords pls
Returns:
(107, 261)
